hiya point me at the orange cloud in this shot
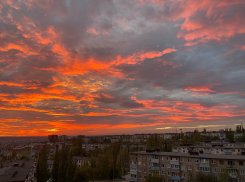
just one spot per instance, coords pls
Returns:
(92, 31)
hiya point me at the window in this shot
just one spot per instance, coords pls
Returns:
(162, 158)
(231, 163)
(183, 175)
(162, 165)
(162, 172)
(214, 170)
(242, 172)
(149, 164)
(215, 178)
(197, 168)
(139, 176)
(144, 163)
(144, 171)
(233, 150)
(205, 169)
(169, 173)
(149, 171)
(182, 159)
(189, 159)
(196, 160)
(182, 168)
(139, 169)
(139, 156)
(189, 167)
(168, 166)
(168, 158)
(221, 162)
(213, 162)
(169, 180)
(144, 156)
(139, 163)
(240, 163)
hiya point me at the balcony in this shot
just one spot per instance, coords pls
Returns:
(155, 168)
(176, 178)
(204, 165)
(175, 170)
(155, 160)
(228, 153)
(206, 152)
(234, 176)
(174, 162)
(133, 165)
(133, 179)
(133, 172)
(205, 172)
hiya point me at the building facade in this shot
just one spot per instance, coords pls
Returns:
(173, 167)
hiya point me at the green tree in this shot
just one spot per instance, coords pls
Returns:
(114, 155)
(80, 175)
(241, 138)
(224, 176)
(71, 167)
(63, 163)
(42, 173)
(153, 178)
(191, 179)
(102, 166)
(55, 169)
(200, 177)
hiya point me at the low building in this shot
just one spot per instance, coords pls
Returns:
(81, 161)
(50, 164)
(92, 146)
(16, 171)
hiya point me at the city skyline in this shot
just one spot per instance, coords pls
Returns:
(121, 66)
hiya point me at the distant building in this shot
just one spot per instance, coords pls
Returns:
(81, 161)
(63, 137)
(53, 138)
(50, 164)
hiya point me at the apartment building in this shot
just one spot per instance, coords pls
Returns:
(81, 161)
(91, 146)
(211, 148)
(174, 167)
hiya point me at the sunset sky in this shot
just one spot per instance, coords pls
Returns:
(96, 67)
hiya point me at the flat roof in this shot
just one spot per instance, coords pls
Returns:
(175, 154)
(8, 170)
(215, 147)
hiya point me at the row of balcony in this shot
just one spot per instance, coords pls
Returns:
(133, 179)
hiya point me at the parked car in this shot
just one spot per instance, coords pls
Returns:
(121, 177)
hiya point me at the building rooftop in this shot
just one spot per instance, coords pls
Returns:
(174, 154)
(8, 172)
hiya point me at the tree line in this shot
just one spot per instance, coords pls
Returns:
(108, 163)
